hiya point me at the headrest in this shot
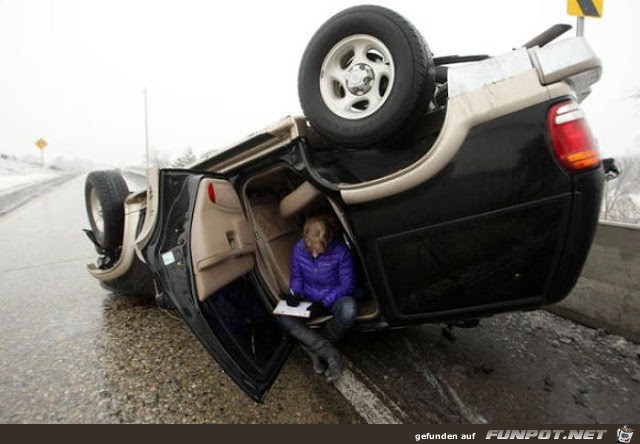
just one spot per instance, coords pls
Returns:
(299, 200)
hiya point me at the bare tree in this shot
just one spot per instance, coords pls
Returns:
(621, 201)
(209, 153)
(160, 157)
(186, 159)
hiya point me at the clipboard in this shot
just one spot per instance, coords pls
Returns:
(301, 311)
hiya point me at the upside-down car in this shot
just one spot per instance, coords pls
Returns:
(462, 190)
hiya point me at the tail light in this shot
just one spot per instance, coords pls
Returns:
(571, 137)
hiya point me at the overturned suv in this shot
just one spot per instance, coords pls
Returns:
(462, 190)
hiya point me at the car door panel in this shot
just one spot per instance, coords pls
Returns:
(222, 242)
(226, 313)
(475, 262)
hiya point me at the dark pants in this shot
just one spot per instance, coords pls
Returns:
(344, 316)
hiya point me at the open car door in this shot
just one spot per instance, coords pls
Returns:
(202, 254)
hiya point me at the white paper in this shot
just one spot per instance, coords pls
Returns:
(300, 311)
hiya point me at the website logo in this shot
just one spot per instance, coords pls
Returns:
(625, 434)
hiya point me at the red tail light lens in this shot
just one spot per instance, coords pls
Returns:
(571, 137)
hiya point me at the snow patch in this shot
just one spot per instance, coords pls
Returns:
(15, 175)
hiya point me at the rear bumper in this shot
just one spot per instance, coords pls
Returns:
(585, 211)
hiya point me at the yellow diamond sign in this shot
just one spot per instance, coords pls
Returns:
(41, 143)
(585, 8)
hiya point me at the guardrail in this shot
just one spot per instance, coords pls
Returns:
(135, 171)
(607, 294)
(136, 178)
(12, 200)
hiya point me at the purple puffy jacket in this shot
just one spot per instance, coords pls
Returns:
(324, 279)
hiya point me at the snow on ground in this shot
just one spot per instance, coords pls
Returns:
(15, 174)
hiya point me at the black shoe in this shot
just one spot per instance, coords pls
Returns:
(335, 361)
(321, 348)
(319, 366)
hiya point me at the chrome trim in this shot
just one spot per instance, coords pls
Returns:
(569, 117)
(571, 106)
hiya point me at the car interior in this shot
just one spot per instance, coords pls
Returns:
(225, 245)
(278, 202)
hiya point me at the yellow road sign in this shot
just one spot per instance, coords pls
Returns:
(41, 143)
(585, 8)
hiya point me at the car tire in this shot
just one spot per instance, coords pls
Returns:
(366, 77)
(105, 193)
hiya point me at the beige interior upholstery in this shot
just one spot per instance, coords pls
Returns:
(299, 200)
(279, 235)
(279, 229)
(222, 242)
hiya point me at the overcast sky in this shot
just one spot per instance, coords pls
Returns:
(73, 72)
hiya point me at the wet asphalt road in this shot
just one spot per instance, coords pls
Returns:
(71, 352)
(518, 368)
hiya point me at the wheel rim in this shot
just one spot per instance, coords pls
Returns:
(356, 77)
(96, 211)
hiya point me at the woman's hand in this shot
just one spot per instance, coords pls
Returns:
(293, 299)
(317, 309)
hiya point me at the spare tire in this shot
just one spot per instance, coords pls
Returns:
(104, 194)
(366, 77)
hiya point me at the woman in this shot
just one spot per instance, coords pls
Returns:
(322, 273)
